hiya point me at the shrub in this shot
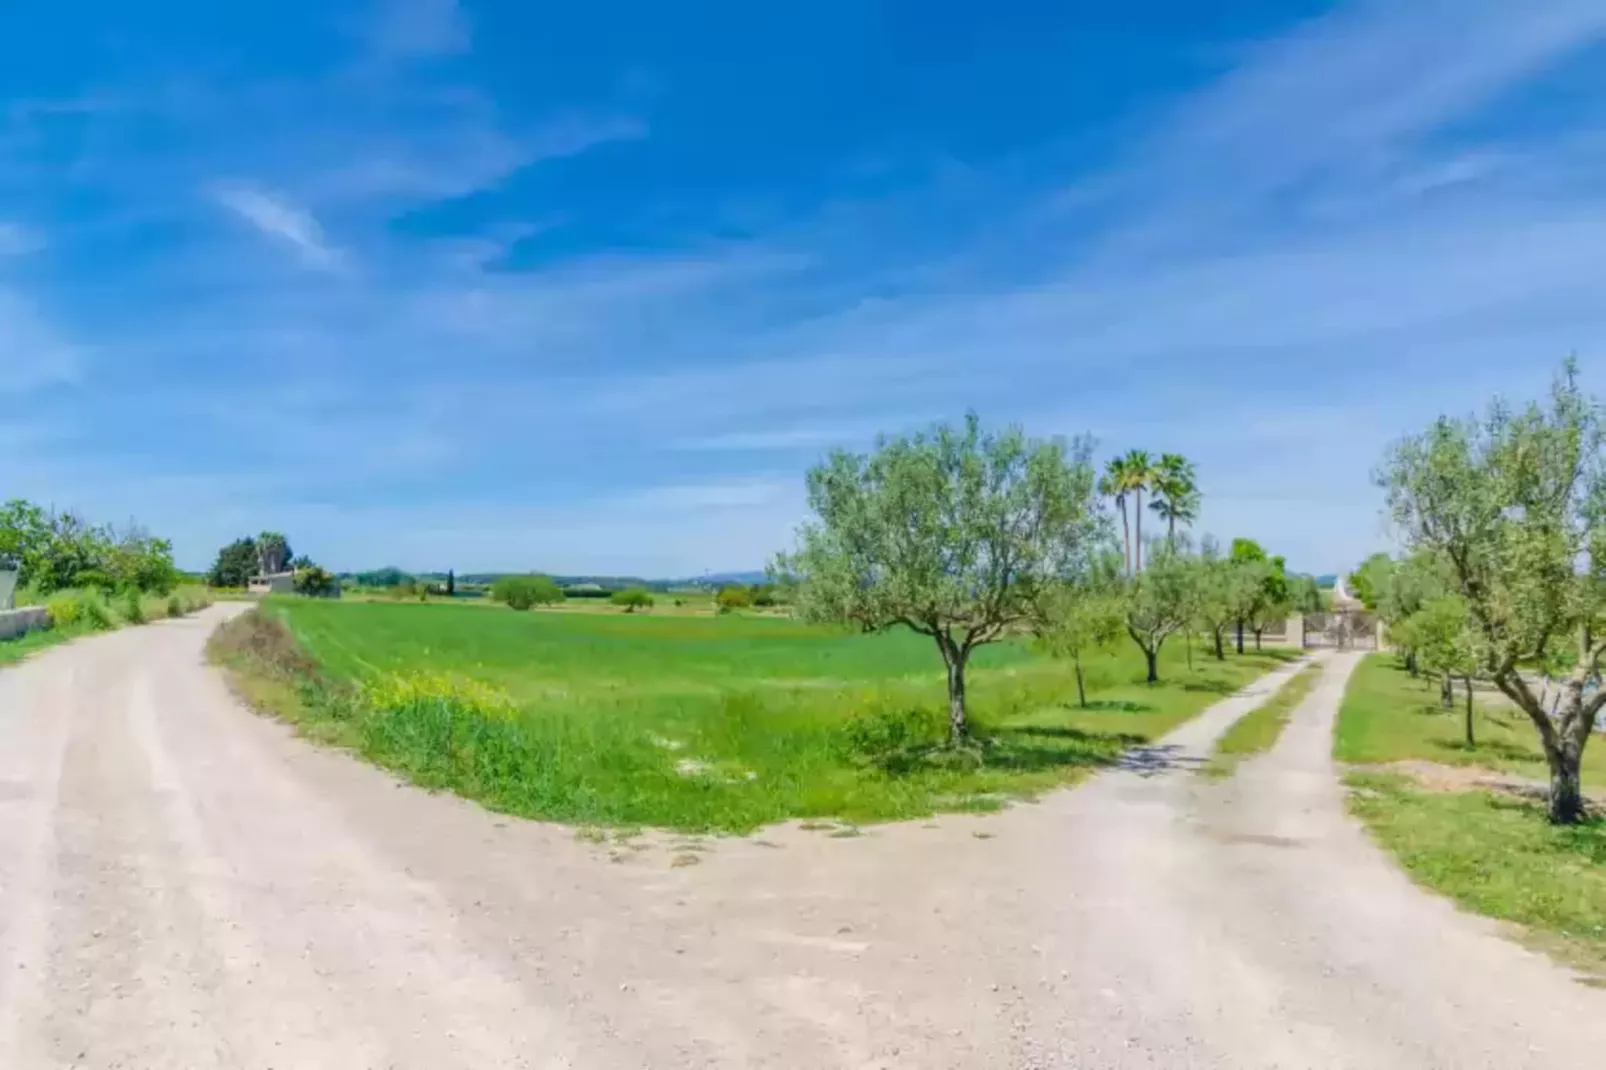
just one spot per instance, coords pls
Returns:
(733, 597)
(632, 599)
(522, 592)
(893, 739)
(65, 610)
(261, 641)
(175, 606)
(133, 612)
(95, 613)
(316, 582)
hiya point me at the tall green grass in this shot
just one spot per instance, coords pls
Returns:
(75, 613)
(705, 723)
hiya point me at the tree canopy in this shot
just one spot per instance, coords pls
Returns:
(53, 551)
(1514, 503)
(1160, 601)
(954, 533)
(523, 592)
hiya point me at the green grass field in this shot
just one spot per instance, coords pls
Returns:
(725, 722)
(1257, 731)
(1491, 853)
(1389, 715)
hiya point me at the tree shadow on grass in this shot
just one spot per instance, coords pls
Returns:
(1212, 687)
(1111, 705)
(1037, 748)
(1491, 749)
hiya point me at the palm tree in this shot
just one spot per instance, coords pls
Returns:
(1132, 474)
(1176, 493)
(1113, 485)
(1138, 475)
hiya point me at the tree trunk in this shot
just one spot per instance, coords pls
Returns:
(1171, 530)
(1446, 692)
(1221, 655)
(1472, 739)
(1563, 738)
(1240, 636)
(1081, 688)
(1257, 639)
(1137, 544)
(1410, 663)
(958, 722)
(1126, 536)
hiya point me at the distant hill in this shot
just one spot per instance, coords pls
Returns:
(392, 576)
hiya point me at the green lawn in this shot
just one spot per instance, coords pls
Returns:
(1497, 856)
(1257, 731)
(1389, 716)
(720, 722)
(1493, 854)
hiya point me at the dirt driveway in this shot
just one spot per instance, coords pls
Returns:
(184, 885)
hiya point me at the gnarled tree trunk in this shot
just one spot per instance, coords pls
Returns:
(953, 657)
(1563, 737)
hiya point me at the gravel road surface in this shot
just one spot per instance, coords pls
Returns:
(185, 885)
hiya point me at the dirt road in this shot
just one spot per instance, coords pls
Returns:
(184, 885)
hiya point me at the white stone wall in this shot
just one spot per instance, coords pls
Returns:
(13, 622)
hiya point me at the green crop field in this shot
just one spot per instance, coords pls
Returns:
(723, 722)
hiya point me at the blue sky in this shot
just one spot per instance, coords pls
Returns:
(492, 284)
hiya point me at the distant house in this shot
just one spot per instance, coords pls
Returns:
(273, 583)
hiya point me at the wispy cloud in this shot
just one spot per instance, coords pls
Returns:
(415, 29)
(282, 221)
(1319, 250)
(33, 352)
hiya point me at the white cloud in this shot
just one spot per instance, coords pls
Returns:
(282, 221)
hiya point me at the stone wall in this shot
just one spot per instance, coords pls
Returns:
(14, 622)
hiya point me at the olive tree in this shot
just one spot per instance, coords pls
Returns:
(1082, 614)
(1515, 503)
(1445, 644)
(954, 533)
(1161, 600)
(1227, 591)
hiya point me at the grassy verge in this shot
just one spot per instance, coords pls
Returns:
(1497, 856)
(1390, 716)
(74, 614)
(1257, 730)
(695, 723)
(1491, 853)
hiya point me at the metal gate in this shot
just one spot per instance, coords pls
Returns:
(1344, 630)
